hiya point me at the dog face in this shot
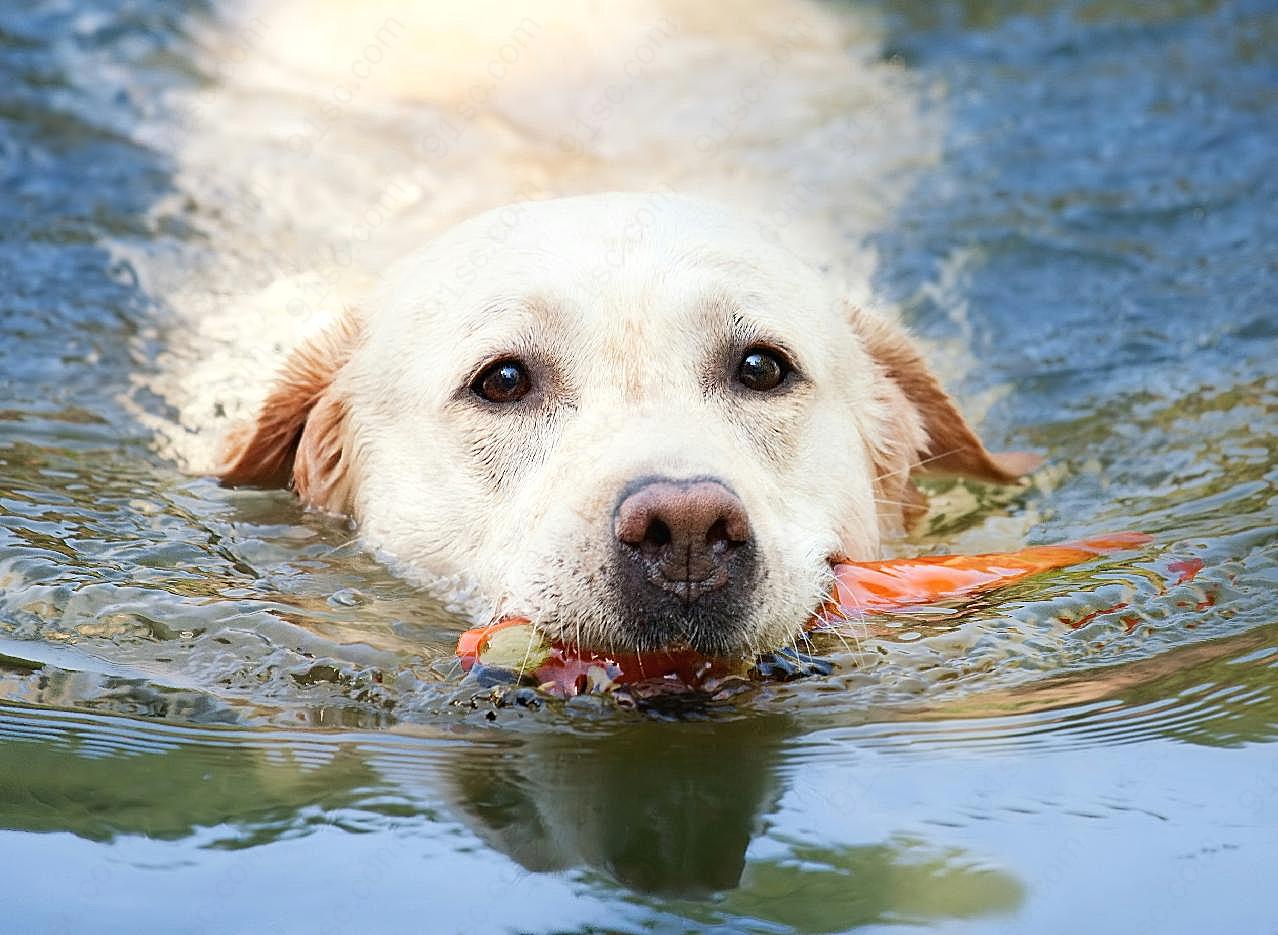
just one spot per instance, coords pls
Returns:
(627, 417)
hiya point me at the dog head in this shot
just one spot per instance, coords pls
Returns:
(628, 417)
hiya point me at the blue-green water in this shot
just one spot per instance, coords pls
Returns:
(217, 715)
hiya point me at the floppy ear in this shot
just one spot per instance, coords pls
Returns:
(299, 436)
(927, 433)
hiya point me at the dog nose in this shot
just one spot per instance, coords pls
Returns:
(684, 533)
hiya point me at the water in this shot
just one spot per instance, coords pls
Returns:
(219, 715)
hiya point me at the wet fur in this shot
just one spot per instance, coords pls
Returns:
(374, 418)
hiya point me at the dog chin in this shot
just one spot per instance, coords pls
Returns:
(733, 626)
(697, 630)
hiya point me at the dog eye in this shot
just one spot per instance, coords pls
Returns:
(504, 382)
(762, 369)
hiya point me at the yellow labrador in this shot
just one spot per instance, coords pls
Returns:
(640, 423)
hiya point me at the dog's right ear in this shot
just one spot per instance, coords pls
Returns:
(299, 437)
(922, 430)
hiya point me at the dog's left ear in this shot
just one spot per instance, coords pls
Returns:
(298, 438)
(926, 432)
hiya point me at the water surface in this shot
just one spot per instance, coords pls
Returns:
(218, 714)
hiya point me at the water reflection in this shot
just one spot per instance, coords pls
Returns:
(101, 778)
(903, 881)
(669, 810)
(1219, 693)
(695, 819)
(661, 807)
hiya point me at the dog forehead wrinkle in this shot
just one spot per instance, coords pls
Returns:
(654, 338)
(538, 312)
(631, 366)
(741, 311)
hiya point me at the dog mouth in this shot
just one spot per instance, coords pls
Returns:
(697, 615)
(670, 659)
(684, 631)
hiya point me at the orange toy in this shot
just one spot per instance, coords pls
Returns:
(860, 588)
(877, 587)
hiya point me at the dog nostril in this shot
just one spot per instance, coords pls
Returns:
(657, 534)
(717, 534)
